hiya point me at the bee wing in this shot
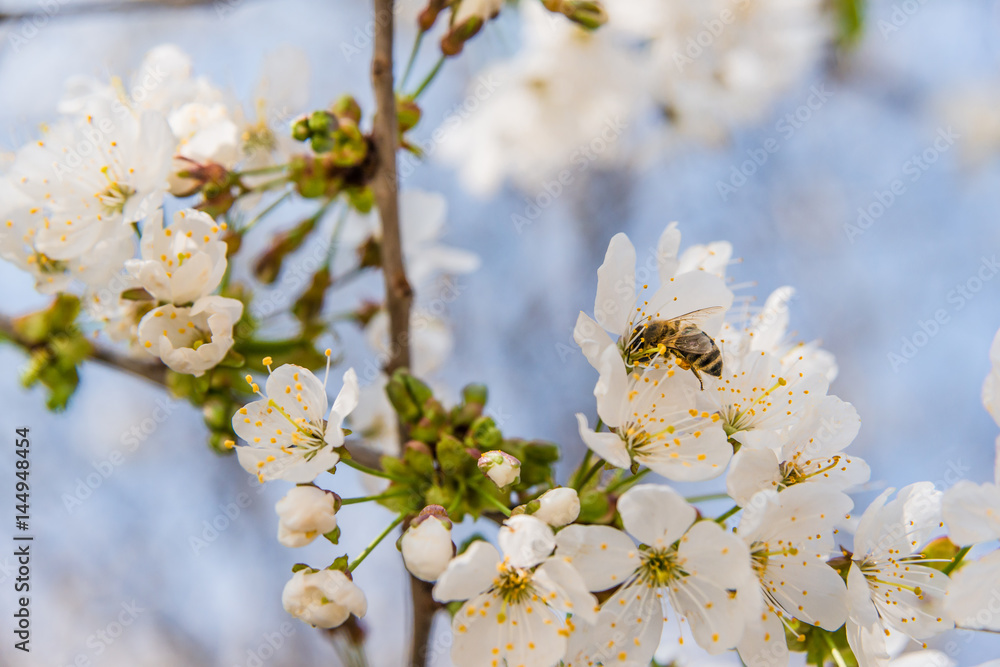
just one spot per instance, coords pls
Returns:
(695, 317)
(691, 340)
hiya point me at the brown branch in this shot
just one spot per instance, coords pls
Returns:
(398, 293)
(153, 372)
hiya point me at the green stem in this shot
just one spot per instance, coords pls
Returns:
(273, 169)
(590, 473)
(711, 496)
(837, 658)
(580, 468)
(413, 59)
(277, 202)
(430, 77)
(350, 463)
(364, 554)
(381, 496)
(950, 567)
(492, 500)
(628, 481)
(453, 507)
(721, 518)
(271, 347)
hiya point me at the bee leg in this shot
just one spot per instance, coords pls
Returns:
(698, 375)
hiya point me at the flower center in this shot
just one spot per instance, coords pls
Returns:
(660, 567)
(114, 196)
(513, 584)
(259, 137)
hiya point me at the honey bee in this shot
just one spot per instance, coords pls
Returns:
(681, 338)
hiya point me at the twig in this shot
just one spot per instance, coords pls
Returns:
(153, 372)
(398, 293)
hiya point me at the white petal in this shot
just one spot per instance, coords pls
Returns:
(763, 643)
(298, 392)
(971, 603)
(972, 512)
(666, 252)
(654, 514)
(572, 594)
(603, 555)
(708, 550)
(611, 388)
(626, 632)
(525, 540)
(608, 446)
(477, 634)
(469, 574)
(714, 616)
(752, 470)
(807, 588)
(616, 285)
(592, 339)
(345, 403)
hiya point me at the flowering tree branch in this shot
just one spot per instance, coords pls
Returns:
(156, 373)
(398, 293)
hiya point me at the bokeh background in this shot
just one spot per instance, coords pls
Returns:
(127, 550)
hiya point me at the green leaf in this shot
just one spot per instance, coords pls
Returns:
(454, 458)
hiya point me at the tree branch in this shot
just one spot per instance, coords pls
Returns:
(398, 293)
(156, 373)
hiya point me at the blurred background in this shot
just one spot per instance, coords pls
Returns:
(179, 542)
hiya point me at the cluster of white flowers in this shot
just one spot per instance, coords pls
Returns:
(784, 569)
(565, 101)
(76, 199)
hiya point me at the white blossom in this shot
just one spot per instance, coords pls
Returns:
(694, 565)
(191, 339)
(623, 310)
(305, 513)
(285, 432)
(790, 536)
(518, 606)
(183, 262)
(324, 599)
(656, 422)
(889, 589)
(811, 451)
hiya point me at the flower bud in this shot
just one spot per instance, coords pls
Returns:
(347, 107)
(500, 467)
(305, 513)
(426, 545)
(558, 507)
(323, 599)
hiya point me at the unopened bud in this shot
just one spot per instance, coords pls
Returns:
(502, 468)
(347, 107)
(305, 513)
(557, 507)
(426, 545)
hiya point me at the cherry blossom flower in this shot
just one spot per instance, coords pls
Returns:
(812, 452)
(696, 566)
(790, 535)
(655, 422)
(616, 308)
(191, 339)
(288, 433)
(889, 589)
(305, 513)
(518, 606)
(183, 262)
(324, 598)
